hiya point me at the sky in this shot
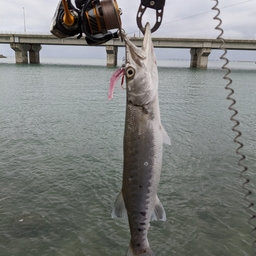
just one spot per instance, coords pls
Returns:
(182, 18)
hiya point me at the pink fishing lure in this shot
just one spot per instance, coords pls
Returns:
(113, 80)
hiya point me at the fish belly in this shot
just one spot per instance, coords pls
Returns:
(142, 168)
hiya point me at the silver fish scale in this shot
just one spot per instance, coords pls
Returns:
(142, 168)
(143, 146)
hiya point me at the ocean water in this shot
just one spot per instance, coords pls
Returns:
(61, 160)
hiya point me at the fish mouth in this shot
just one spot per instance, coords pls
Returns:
(147, 41)
(133, 52)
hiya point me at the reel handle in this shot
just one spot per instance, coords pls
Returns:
(68, 18)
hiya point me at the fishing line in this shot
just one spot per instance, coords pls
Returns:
(198, 14)
(235, 129)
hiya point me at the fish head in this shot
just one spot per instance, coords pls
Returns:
(141, 71)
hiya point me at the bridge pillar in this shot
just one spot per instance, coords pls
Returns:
(34, 56)
(21, 52)
(199, 57)
(111, 55)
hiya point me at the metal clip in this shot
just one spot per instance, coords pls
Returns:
(158, 5)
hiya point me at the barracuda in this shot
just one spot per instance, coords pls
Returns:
(143, 145)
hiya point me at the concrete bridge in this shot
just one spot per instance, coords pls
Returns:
(200, 48)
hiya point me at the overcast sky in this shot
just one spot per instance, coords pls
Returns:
(182, 18)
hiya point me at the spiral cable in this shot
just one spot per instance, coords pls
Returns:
(233, 118)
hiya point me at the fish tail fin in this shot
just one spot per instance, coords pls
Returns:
(119, 210)
(148, 252)
(159, 212)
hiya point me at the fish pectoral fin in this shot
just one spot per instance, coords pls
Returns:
(119, 210)
(159, 212)
(166, 139)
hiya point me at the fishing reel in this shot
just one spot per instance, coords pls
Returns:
(94, 18)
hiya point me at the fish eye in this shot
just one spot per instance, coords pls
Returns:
(130, 72)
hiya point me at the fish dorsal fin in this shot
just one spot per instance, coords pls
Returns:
(119, 210)
(166, 139)
(159, 212)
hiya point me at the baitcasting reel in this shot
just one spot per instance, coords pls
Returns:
(94, 18)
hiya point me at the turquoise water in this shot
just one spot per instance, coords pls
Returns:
(61, 160)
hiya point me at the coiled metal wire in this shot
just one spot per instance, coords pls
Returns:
(233, 118)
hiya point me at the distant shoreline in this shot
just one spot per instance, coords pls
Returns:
(2, 56)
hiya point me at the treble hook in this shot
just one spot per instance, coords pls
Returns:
(158, 5)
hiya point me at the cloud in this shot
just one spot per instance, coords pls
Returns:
(184, 16)
(181, 18)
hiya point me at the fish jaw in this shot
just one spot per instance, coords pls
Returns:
(141, 71)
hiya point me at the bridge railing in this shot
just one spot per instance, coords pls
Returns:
(131, 35)
(24, 33)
